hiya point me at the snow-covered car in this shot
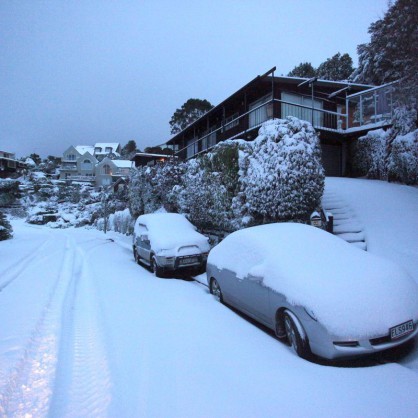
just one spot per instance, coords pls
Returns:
(324, 295)
(168, 242)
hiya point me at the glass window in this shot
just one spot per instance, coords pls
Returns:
(106, 169)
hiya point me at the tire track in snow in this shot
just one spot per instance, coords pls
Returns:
(83, 386)
(15, 270)
(28, 388)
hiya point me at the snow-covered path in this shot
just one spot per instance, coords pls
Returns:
(85, 332)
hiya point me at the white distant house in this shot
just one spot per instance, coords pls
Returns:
(109, 171)
(91, 163)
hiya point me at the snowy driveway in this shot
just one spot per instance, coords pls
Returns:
(85, 332)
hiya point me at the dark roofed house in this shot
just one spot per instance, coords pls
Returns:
(340, 112)
(144, 158)
(10, 166)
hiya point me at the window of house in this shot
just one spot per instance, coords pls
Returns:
(71, 157)
(11, 164)
(230, 121)
(106, 169)
(86, 165)
(294, 104)
(97, 150)
(262, 111)
(108, 149)
(192, 147)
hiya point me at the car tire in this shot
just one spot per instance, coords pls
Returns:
(155, 268)
(296, 335)
(215, 290)
(136, 257)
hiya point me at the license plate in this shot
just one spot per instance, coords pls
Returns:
(188, 260)
(401, 330)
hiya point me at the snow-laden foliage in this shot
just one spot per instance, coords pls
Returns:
(278, 176)
(9, 191)
(153, 187)
(281, 174)
(209, 185)
(403, 159)
(120, 221)
(6, 230)
(392, 154)
(369, 155)
(392, 53)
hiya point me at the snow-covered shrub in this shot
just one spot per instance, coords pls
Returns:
(281, 175)
(208, 187)
(153, 187)
(370, 153)
(9, 191)
(6, 231)
(403, 159)
(121, 221)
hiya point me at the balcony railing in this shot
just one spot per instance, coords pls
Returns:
(371, 107)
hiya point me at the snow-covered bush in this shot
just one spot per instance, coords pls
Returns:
(9, 191)
(121, 221)
(281, 175)
(369, 155)
(209, 186)
(153, 187)
(403, 159)
(278, 176)
(6, 231)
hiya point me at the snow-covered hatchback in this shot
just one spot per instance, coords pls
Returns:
(322, 294)
(168, 242)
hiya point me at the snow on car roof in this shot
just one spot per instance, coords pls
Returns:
(170, 230)
(349, 290)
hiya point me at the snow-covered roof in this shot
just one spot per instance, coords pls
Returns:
(342, 285)
(104, 145)
(122, 163)
(82, 149)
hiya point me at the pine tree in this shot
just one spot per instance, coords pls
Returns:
(337, 68)
(304, 69)
(392, 52)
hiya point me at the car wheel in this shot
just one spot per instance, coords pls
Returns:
(136, 256)
(216, 291)
(296, 335)
(156, 269)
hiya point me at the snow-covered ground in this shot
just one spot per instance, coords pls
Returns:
(85, 332)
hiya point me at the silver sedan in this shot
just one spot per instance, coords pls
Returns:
(321, 294)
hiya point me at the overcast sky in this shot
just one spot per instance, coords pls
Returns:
(80, 72)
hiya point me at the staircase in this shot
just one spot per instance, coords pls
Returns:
(346, 225)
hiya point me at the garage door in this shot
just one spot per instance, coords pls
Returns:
(331, 160)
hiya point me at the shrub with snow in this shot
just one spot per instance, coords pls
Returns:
(369, 155)
(403, 159)
(278, 176)
(281, 174)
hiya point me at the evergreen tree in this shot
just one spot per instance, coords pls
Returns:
(129, 150)
(392, 52)
(337, 68)
(304, 69)
(192, 110)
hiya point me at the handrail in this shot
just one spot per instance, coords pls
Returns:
(271, 101)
